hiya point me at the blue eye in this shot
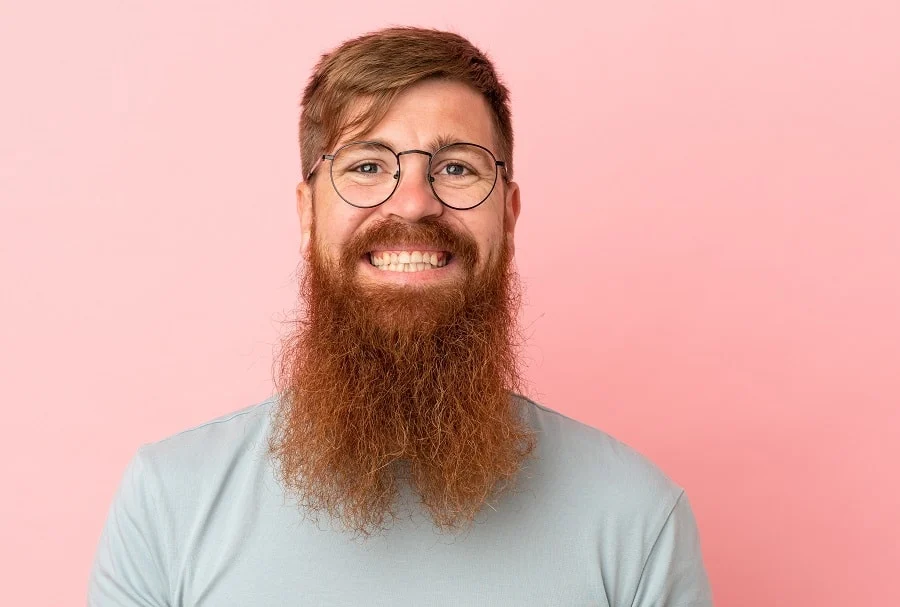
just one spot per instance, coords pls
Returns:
(453, 169)
(367, 167)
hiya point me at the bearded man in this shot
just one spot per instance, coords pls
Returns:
(398, 463)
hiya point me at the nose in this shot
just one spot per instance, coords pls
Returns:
(413, 199)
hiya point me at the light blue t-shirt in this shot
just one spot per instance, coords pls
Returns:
(200, 520)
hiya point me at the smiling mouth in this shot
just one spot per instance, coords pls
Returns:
(408, 261)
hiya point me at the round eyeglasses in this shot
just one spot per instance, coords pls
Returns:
(366, 173)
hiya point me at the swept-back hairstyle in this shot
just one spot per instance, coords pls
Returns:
(375, 68)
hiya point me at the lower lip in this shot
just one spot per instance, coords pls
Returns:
(422, 276)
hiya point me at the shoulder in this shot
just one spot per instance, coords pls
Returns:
(608, 497)
(221, 430)
(209, 450)
(171, 489)
(601, 466)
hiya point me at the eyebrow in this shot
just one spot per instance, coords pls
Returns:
(434, 145)
(442, 140)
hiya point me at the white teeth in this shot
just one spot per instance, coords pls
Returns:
(406, 267)
(407, 261)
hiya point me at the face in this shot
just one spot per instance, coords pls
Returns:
(419, 116)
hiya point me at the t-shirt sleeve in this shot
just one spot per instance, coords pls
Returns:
(674, 574)
(128, 568)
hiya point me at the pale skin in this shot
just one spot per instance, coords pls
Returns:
(417, 118)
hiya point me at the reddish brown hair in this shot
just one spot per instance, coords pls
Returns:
(378, 66)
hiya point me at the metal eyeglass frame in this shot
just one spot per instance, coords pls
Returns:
(430, 179)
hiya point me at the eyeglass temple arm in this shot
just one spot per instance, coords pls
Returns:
(316, 165)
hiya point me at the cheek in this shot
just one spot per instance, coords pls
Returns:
(488, 229)
(334, 228)
(489, 243)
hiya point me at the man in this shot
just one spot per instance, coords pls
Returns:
(398, 465)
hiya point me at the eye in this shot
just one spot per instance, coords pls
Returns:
(369, 168)
(455, 169)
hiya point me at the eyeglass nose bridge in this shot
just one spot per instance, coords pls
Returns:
(423, 152)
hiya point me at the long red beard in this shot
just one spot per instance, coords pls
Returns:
(382, 385)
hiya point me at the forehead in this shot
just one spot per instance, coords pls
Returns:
(431, 113)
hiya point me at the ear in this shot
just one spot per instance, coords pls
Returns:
(305, 213)
(512, 206)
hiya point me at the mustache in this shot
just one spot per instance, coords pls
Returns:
(428, 232)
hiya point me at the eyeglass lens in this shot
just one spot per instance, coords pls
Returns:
(366, 174)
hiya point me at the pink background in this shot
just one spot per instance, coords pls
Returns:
(710, 235)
